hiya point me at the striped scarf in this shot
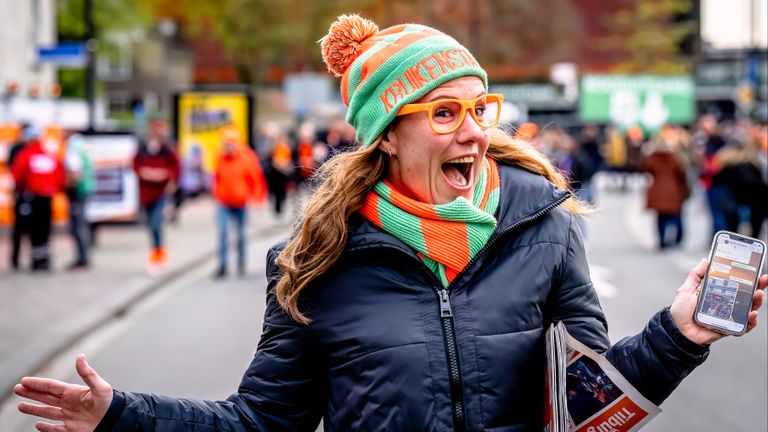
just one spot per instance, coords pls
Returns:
(445, 236)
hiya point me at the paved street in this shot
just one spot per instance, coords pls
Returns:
(179, 340)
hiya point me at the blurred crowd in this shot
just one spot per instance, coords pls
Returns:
(279, 167)
(725, 161)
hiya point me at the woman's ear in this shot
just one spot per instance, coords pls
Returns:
(388, 140)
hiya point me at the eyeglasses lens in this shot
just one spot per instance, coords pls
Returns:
(446, 115)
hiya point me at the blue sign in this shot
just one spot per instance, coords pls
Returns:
(72, 54)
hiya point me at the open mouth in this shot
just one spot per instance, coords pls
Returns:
(458, 171)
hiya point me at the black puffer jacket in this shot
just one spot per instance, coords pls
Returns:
(388, 349)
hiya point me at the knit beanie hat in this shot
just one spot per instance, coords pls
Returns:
(383, 70)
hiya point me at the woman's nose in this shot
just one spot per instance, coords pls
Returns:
(469, 131)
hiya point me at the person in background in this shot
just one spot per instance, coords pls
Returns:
(21, 209)
(636, 139)
(306, 140)
(237, 180)
(80, 185)
(590, 146)
(38, 175)
(668, 189)
(741, 182)
(615, 156)
(576, 165)
(338, 139)
(268, 134)
(280, 172)
(26, 132)
(157, 168)
(527, 131)
(707, 141)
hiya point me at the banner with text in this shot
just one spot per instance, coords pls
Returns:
(200, 116)
(649, 101)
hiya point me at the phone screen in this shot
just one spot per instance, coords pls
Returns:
(727, 294)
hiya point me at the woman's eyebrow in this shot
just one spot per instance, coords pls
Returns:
(451, 97)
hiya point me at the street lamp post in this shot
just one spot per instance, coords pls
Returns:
(91, 44)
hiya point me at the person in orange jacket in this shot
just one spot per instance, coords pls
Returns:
(238, 179)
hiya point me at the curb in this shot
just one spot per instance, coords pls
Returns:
(56, 340)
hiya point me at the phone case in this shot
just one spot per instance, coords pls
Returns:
(706, 278)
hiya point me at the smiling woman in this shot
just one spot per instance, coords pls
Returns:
(416, 289)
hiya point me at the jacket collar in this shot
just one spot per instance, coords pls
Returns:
(523, 195)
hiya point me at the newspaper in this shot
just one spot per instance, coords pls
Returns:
(585, 393)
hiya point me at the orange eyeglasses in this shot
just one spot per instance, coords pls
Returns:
(447, 115)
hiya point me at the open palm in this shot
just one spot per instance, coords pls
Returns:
(78, 408)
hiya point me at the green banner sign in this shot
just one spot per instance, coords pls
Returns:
(648, 101)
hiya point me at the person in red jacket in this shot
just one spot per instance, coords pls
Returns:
(157, 167)
(238, 179)
(38, 174)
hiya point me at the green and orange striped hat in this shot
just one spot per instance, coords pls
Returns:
(383, 70)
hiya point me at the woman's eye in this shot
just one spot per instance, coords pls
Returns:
(480, 111)
(443, 113)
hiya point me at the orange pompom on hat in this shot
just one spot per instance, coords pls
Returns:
(382, 70)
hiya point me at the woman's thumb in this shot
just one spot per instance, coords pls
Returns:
(98, 386)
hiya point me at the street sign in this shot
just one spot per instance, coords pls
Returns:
(65, 54)
(649, 101)
(307, 90)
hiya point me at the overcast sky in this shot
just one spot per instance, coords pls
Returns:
(729, 23)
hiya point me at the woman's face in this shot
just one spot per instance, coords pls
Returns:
(434, 168)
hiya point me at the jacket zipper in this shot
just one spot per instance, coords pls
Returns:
(452, 355)
(446, 316)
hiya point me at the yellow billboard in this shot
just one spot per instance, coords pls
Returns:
(200, 116)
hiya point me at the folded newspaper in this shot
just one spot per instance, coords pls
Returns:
(585, 393)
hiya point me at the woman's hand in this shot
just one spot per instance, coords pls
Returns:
(80, 408)
(684, 304)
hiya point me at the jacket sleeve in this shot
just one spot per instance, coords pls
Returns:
(280, 391)
(573, 300)
(654, 361)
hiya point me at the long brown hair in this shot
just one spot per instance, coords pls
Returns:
(344, 182)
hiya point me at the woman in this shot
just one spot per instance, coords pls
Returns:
(668, 190)
(416, 290)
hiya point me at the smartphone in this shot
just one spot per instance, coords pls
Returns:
(725, 298)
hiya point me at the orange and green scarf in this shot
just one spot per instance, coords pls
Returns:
(445, 236)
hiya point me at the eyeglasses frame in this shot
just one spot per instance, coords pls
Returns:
(466, 105)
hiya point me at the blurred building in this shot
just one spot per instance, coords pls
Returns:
(25, 26)
(141, 78)
(732, 72)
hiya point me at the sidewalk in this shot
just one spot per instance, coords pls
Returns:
(42, 314)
